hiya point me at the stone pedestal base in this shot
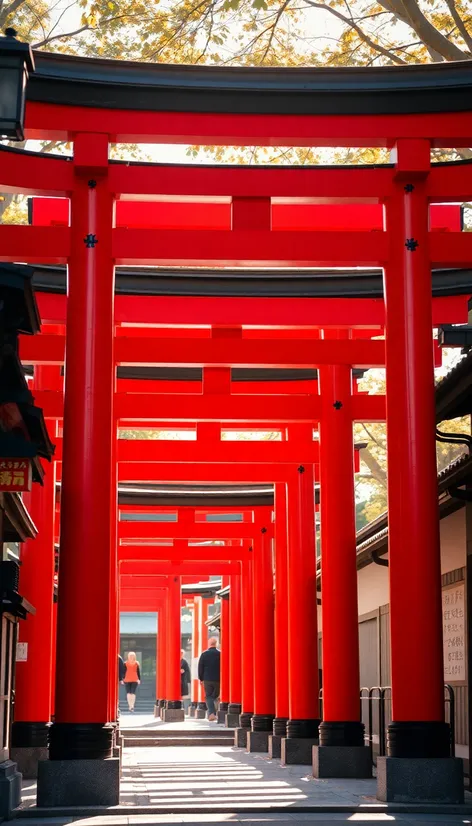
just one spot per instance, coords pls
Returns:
(173, 715)
(420, 780)
(232, 720)
(240, 738)
(221, 717)
(275, 746)
(297, 751)
(200, 714)
(10, 789)
(27, 759)
(342, 761)
(257, 741)
(79, 782)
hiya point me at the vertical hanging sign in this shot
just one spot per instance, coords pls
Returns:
(15, 474)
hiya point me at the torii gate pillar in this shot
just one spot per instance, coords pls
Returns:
(263, 634)
(225, 653)
(303, 681)
(81, 737)
(33, 696)
(341, 752)
(173, 712)
(418, 740)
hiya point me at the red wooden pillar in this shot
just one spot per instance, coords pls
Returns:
(174, 646)
(281, 611)
(225, 645)
(263, 632)
(418, 727)
(161, 657)
(81, 727)
(235, 685)
(195, 650)
(302, 606)
(341, 724)
(114, 579)
(247, 654)
(53, 663)
(203, 645)
(33, 685)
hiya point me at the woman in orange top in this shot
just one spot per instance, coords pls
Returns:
(132, 679)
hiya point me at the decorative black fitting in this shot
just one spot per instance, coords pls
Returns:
(245, 719)
(92, 184)
(341, 733)
(337, 405)
(262, 722)
(174, 704)
(80, 741)
(408, 188)
(419, 739)
(411, 244)
(90, 240)
(279, 726)
(29, 735)
(234, 708)
(301, 469)
(307, 729)
(263, 530)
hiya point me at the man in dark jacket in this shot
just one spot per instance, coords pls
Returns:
(209, 675)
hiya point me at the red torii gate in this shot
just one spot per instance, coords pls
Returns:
(405, 248)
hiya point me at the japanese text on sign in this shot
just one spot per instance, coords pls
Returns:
(15, 475)
(453, 610)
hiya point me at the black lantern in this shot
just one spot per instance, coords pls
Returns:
(16, 61)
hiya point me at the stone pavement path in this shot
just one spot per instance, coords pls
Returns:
(225, 776)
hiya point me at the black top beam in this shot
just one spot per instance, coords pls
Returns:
(357, 90)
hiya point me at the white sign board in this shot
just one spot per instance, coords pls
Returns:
(21, 652)
(453, 613)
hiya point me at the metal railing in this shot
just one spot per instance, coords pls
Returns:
(379, 704)
(377, 716)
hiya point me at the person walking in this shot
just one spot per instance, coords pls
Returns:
(185, 679)
(209, 675)
(132, 679)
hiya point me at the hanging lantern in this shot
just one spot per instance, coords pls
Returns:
(16, 62)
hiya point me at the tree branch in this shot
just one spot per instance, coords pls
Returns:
(48, 39)
(467, 38)
(363, 35)
(429, 34)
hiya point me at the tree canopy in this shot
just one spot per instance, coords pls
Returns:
(249, 32)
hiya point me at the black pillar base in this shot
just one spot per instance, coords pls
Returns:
(297, 729)
(262, 722)
(279, 726)
(162, 705)
(80, 741)
(29, 734)
(224, 707)
(349, 733)
(192, 709)
(234, 708)
(222, 712)
(418, 739)
(174, 704)
(245, 719)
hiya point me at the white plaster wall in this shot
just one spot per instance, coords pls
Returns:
(372, 588)
(372, 581)
(453, 541)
